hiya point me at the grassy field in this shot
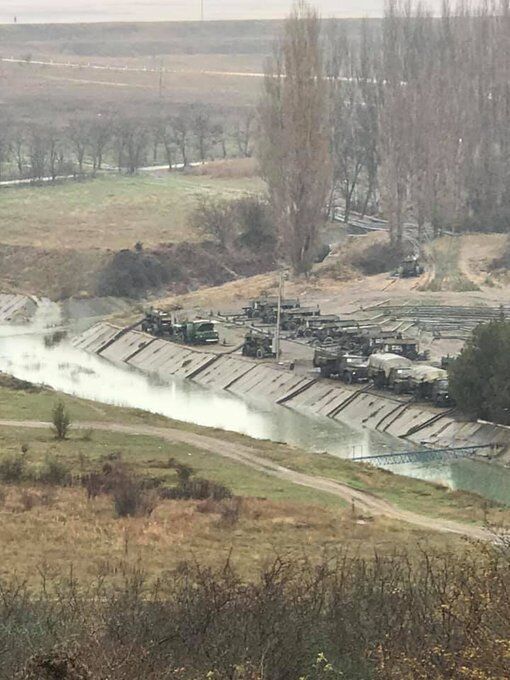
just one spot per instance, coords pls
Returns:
(109, 212)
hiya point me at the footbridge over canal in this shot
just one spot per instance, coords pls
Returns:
(424, 456)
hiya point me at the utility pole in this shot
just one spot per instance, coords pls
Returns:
(202, 10)
(277, 349)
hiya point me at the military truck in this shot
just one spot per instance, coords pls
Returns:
(337, 362)
(431, 384)
(389, 371)
(258, 346)
(410, 267)
(266, 308)
(158, 323)
(198, 332)
(402, 346)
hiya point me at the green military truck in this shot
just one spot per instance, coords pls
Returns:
(428, 383)
(336, 362)
(258, 346)
(158, 323)
(198, 332)
(389, 371)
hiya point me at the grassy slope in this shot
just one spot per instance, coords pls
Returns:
(109, 212)
(411, 494)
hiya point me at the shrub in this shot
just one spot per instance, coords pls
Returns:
(12, 469)
(54, 472)
(379, 257)
(61, 420)
(130, 497)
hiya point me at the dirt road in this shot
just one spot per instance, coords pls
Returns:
(253, 457)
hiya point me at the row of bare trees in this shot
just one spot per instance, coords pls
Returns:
(85, 146)
(411, 121)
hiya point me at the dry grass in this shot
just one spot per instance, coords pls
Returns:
(110, 212)
(69, 531)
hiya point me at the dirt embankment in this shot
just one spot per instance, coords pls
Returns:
(172, 268)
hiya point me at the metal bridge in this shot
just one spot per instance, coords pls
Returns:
(423, 456)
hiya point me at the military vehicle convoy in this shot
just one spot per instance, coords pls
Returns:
(197, 332)
(387, 371)
(425, 383)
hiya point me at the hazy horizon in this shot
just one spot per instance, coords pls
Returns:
(60, 11)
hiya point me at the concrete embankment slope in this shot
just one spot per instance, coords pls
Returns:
(359, 407)
(16, 307)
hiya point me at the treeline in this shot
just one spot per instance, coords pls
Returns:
(419, 616)
(411, 121)
(421, 127)
(127, 143)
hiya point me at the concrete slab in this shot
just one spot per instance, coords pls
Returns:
(125, 346)
(96, 337)
(16, 307)
(321, 398)
(411, 417)
(269, 382)
(368, 410)
(167, 359)
(224, 372)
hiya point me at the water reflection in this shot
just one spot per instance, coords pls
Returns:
(24, 355)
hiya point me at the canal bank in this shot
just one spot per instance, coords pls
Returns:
(262, 401)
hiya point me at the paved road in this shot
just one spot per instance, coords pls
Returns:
(254, 458)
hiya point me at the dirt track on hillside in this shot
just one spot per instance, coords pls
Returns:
(253, 457)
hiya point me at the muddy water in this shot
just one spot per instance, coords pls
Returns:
(24, 355)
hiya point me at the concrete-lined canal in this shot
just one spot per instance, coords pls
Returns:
(24, 354)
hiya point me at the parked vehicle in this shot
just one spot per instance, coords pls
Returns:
(158, 323)
(431, 384)
(266, 308)
(198, 332)
(387, 370)
(410, 267)
(258, 346)
(336, 362)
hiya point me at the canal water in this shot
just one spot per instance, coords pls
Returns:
(24, 354)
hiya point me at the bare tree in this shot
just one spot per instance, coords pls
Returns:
(78, 135)
(293, 139)
(181, 135)
(100, 132)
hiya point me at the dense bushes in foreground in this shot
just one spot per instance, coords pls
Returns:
(421, 617)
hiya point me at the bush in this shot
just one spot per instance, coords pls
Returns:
(378, 258)
(480, 376)
(12, 469)
(61, 420)
(54, 472)
(130, 496)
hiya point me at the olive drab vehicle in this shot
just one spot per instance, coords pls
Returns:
(158, 323)
(336, 362)
(410, 267)
(258, 346)
(161, 325)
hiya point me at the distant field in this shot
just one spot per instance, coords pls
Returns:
(111, 212)
(189, 51)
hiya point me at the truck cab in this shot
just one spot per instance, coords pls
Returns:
(200, 332)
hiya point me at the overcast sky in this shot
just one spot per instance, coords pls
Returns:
(36, 11)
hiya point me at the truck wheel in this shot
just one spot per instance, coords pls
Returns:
(347, 378)
(325, 372)
(260, 353)
(244, 352)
